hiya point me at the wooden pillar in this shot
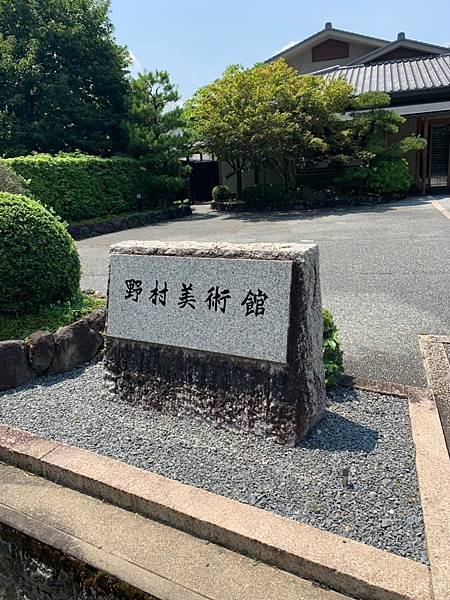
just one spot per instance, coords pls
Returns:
(448, 178)
(425, 157)
(417, 156)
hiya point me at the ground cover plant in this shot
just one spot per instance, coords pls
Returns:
(332, 353)
(49, 318)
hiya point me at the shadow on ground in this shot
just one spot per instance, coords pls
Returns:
(307, 215)
(338, 434)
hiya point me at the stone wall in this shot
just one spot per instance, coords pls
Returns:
(82, 231)
(46, 353)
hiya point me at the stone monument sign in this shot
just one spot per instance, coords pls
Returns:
(230, 333)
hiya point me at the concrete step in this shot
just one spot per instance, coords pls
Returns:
(161, 562)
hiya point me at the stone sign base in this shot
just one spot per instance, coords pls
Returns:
(282, 397)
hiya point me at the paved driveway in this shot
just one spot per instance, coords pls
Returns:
(385, 272)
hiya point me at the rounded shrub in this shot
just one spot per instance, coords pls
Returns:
(221, 193)
(39, 263)
(390, 177)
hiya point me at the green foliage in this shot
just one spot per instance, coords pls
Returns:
(332, 353)
(156, 125)
(221, 193)
(49, 318)
(371, 101)
(160, 190)
(39, 263)
(354, 179)
(389, 176)
(11, 182)
(264, 194)
(78, 186)
(269, 114)
(368, 130)
(63, 79)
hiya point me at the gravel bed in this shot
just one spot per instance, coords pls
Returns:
(368, 434)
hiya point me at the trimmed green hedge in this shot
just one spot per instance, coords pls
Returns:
(39, 263)
(78, 186)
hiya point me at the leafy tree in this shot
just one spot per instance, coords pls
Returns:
(224, 116)
(269, 114)
(156, 125)
(63, 79)
(312, 130)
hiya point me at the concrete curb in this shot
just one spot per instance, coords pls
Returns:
(377, 387)
(433, 472)
(341, 564)
(112, 553)
(428, 422)
(437, 368)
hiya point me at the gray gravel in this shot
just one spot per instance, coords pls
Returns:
(368, 434)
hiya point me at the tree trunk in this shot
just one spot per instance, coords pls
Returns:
(238, 183)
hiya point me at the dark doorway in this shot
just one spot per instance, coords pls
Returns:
(203, 177)
(439, 155)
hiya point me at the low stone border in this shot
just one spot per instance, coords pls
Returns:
(429, 411)
(87, 230)
(435, 351)
(433, 474)
(344, 565)
(58, 543)
(378, 387)
(322, 205)
(45, 353)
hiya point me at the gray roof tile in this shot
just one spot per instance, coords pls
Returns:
(406, 75)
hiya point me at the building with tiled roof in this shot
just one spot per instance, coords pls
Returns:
(415, 74)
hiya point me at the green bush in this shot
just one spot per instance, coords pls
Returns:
(39, 263)
(11, 182)
(264, 194)
(332, 353)
(221, 193)
(78, 186)
(312, 198)
(161, 190)
(353, 179)
(390, 176)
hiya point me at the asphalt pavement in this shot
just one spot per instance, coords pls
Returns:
(385, 271)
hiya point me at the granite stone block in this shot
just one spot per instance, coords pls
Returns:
(244, 352)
